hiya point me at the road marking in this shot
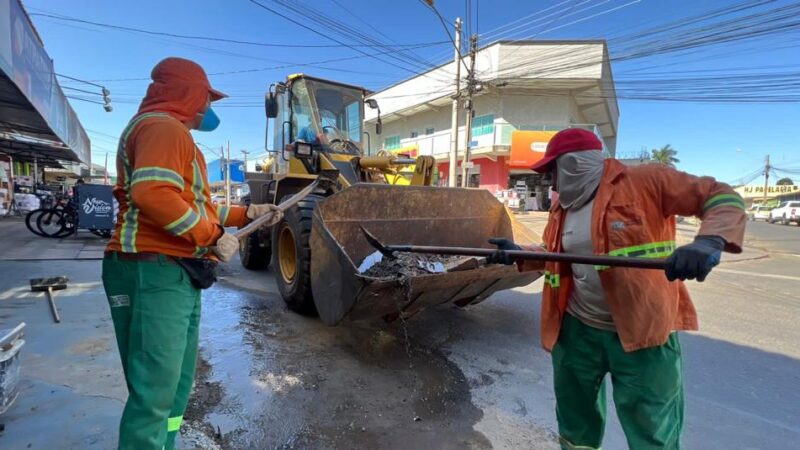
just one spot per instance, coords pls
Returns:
(755, 274)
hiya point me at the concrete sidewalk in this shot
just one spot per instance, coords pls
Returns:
(686, 232)
(72, 391)
(17, 243)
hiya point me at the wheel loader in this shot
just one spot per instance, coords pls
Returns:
(316, 249)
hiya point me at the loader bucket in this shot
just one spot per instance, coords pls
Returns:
(406, 215)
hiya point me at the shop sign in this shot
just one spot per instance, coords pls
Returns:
(96, 204)
(754, 191)
(528, 147)
(24, 60)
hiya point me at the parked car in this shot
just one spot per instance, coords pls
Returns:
(218, 199)
(759, 212)
(786, 213)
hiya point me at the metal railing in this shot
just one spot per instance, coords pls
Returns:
(438, 143)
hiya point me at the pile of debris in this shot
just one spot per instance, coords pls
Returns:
(411, 265)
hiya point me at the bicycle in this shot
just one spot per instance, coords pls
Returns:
(62, 221)
(47, 202)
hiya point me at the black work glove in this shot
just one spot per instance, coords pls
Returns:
(500, 256)
(695, 260)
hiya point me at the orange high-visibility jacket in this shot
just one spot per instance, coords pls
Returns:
(162, 189)
(634, 215)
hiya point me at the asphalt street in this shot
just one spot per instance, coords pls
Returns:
(741, 368)
(774, 237)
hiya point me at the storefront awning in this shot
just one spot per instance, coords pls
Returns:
(36, 121)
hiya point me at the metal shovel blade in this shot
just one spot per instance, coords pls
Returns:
(373, 241)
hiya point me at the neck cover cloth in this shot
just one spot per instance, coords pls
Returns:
(578, 175)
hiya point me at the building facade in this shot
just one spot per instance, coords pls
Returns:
(525, 93)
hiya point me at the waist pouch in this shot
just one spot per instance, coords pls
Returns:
(202, 271)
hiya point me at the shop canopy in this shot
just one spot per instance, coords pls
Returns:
(36, 121)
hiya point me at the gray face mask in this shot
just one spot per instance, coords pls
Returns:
(578, 175)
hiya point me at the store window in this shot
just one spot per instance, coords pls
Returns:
(474, 180)
(483, 125)
(429, 131)
(414, 134)
(391, 143)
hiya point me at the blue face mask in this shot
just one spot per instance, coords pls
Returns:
(210, 121)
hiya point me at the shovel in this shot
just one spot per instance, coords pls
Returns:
(324, 180)
(597, 260)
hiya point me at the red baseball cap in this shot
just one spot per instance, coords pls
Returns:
(567, 141)
(180, 70)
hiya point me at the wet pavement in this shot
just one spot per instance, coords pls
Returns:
(291, 382)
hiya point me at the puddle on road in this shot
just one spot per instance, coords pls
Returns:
(291, 382)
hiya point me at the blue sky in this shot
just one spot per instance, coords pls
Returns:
(727, 141)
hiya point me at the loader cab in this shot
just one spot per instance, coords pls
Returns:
(326, 114)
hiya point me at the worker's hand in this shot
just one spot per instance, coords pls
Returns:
(255, 211)
(695, 260)
(227, 246)
(500, 256)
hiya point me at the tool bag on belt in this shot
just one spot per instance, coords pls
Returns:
(202, 271)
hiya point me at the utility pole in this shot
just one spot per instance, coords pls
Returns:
(468, 106)
(228, 176)
(105, 171)
(767, 167)
(12, 205)
(451, 176)
(36, 173)
(245, 152)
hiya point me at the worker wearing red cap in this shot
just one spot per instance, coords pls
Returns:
(621, 321)
(163, 251)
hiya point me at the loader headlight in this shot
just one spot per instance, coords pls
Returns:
(302, 149)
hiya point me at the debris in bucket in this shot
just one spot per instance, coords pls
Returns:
(406, 265)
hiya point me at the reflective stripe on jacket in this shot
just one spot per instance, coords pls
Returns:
(162, 189)
(634, 215)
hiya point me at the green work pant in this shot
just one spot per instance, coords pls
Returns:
(647, 386)
(156, 314)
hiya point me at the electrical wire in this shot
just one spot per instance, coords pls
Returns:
(210, 38)
(79, 80)
(310, 12)
(446, 29)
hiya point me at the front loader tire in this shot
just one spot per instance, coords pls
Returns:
(291, 256)
(253, 255)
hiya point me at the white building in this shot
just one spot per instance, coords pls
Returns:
(528, 91)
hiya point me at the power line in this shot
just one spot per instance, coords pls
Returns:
(85, 100)
(214, 39)
(377, 30)
(79, 80)
(345, 31)
(315, 31)
(82, 90)
(446, 28)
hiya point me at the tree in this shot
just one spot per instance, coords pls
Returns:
(786, 181)
(665, 155)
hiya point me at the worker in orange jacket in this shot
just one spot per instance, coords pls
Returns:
(622, 321)
(166, 243)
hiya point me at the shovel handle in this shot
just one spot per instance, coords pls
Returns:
(597, 260)
(53, 308)
(253, 226)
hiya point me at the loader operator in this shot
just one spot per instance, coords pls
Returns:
(622, 321)
(167, 239)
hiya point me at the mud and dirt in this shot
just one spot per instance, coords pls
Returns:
(196, 431)
(410, 265)
(273, 379)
